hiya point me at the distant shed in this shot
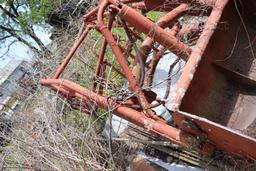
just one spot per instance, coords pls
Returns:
(10, 77)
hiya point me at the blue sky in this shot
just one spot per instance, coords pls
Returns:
(18, 51)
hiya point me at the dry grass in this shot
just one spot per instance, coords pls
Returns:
(47, 134)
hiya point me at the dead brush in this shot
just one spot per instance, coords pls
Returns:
(47, 134)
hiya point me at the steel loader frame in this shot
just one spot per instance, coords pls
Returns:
(192, 132)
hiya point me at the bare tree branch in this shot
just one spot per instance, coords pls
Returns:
(5, 37)
(8, 13)
(19, 38)
(10, 27)
(8, 48)
(15, 10)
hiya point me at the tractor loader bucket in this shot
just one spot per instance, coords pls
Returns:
(212, 104)
(219, 87)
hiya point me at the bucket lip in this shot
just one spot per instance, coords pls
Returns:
(223, 137)
(195, 117)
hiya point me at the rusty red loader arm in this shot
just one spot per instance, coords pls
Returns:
(202, 109)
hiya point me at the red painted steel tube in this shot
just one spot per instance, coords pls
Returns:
(158, 56)
(102, 52)
(138, 118)
(139, 5)
(172, 16)
(163, 22)
(196, 55)
(155, 60)
(190, 30)
(114, 68)
(101, 57)
(128, 53)
(72, 51)
(106, 62)
(115, 48)
(167, 5)
(91, 13)
(154, 31)
(123, 63)
(130, 1)
(102, 76)
(94, 48)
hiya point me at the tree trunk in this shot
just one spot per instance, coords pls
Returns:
(20, 39)
(43, 48)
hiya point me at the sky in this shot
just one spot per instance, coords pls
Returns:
(18, 51)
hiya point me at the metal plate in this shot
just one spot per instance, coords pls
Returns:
(223, 137)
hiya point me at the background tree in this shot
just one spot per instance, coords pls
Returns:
(18, 19)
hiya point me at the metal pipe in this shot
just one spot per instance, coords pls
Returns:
(130, 1)
(103, 51)
(155, 60)
(122, 62)
(154, 31)
(102, 76)
(100, 61)
(115, 48)
(91, 13)
(172, 16)
(163, 22)
(138, 118)
(196, 55)
(157, 57)
(167, 5)
(72, 51)
(114, 68)
(139, 5)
